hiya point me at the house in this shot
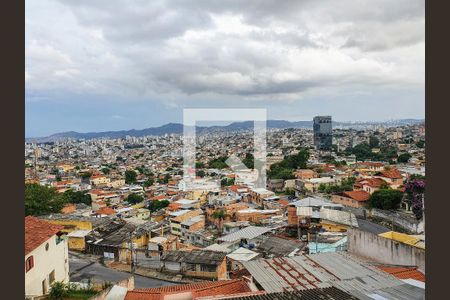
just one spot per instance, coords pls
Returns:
(46, 256)
(192, 225)
(369, 166)
(196, 263)
(256, 215)
(112, 240)
(99, 180)
(104, 212)
(356, 199)
(77, 239)
(215, 290)
(175, 223)
(392, 176)
(159, 244)
(315, 203)
(370, 185)
(305, 174)
(312, 185)
(117, 183)
(257, 196)
(248, 237)
(276, 185)
(275, 246)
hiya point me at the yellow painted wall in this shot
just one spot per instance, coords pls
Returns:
(401, 237)
(333, 227)
(72, 225)
(77, 243)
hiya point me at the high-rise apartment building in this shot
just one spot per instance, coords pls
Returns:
(322, 132)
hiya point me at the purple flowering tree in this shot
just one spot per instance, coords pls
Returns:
(415, 191)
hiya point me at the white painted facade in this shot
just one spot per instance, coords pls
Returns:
(54, 259)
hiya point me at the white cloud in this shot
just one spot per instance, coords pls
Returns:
(279, 50)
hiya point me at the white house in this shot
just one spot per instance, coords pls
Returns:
(46, 256)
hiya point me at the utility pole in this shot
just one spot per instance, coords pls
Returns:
(130, 246)
(317, 247)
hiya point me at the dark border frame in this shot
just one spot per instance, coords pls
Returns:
(437, 110)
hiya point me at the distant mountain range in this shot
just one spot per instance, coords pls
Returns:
(177, 128)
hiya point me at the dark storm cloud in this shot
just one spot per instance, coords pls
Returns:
(240, 48)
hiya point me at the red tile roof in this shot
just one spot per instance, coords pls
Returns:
(404, 272)
(105, 211)
(373, 182)
(283, 202)
(392, 173)
(201, 289)
(37, 232)
(357, 195)
(235, 188)
(174, 206)
(160, 197)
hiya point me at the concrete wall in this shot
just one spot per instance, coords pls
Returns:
(384, 250)
(402, 221)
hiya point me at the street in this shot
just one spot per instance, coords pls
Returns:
(366, 225)
(84, 268)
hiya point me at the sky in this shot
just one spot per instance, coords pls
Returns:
(114, 65)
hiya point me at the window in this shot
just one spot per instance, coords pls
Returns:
(46, 247)
(51, 277)
(190, 267)
(208, 268)
(29, 263)
(59, 239)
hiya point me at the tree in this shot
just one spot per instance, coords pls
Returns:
(42, 200)
(374, 142)
(130, 176)
(420, 144)
(219, 215)
(285, 168)
(200, 173)
(386, 199)
(149, 182)
(218, 163)
(156, 205)
(415, 190)
(404, 158)
(249, 161)
(77, 197)
(227, 181)
(134, 198)
(85, 175)
(362, 151)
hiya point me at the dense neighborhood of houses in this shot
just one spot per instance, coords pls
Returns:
(345, 222)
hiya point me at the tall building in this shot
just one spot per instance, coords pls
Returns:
(322, 132)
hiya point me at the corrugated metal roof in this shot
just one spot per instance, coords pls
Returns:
(249, 232)
(399, 292)
(320, 270)
(330, 293)
(242, 254)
